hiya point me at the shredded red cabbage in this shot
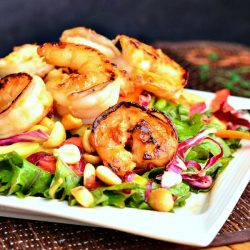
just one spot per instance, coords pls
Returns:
(31, 136)
(179, 164)
(198, 181)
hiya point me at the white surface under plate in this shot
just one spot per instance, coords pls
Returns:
(195, 224)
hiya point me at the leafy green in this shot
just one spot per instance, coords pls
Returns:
(233, 144)
(153, 172)
(182, 192)
(20, 177)
(64, 180)
(112, 195)
(186, 127)
(202, 151)
(189, 128)
(116, 199)
(137, 200)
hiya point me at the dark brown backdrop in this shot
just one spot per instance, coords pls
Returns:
(150, 20)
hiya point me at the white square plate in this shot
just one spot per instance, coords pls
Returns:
(195, 224)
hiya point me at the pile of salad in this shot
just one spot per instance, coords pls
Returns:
(86, 122)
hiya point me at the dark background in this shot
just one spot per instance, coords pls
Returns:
(27, 21)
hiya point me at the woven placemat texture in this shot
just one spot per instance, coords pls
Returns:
(205, 62)
(213, 65)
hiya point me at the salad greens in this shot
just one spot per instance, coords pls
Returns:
(20, 177)
(64, 180)
(188, 127)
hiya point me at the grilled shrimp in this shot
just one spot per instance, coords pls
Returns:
(151, 69)
(24, 59)
(147, 68)
(91, 85)
(24, 101)
(128, 137)
(88, 37)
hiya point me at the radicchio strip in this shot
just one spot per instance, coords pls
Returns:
(198, 181)
(193, 164)
(178, 163)
(31, 136)
(214, 158)
(191, 142)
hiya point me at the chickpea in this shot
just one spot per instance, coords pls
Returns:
(161, 199)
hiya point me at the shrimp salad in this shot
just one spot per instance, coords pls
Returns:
(101, 122)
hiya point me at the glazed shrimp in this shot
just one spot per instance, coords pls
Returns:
(151, 69)
(92, 87)
(24, 101)
(24, 59)
(128, 137)
(88, 37)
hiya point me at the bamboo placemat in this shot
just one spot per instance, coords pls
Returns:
(24, 234)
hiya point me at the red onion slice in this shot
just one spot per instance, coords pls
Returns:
(31, 136)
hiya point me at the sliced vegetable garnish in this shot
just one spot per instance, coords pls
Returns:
(222, 133)
(197, 108)
(64, 180)
(224, 112)
(220, 101)
(44, 160)
(180, 165)
(20, 177)
(30, 136)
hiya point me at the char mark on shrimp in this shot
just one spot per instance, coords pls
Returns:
(128, 136)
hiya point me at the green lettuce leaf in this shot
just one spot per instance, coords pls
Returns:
(137, 199)
(189, 128)
(64, 180)
(182, 192)
(20, 177)
(113, 195)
